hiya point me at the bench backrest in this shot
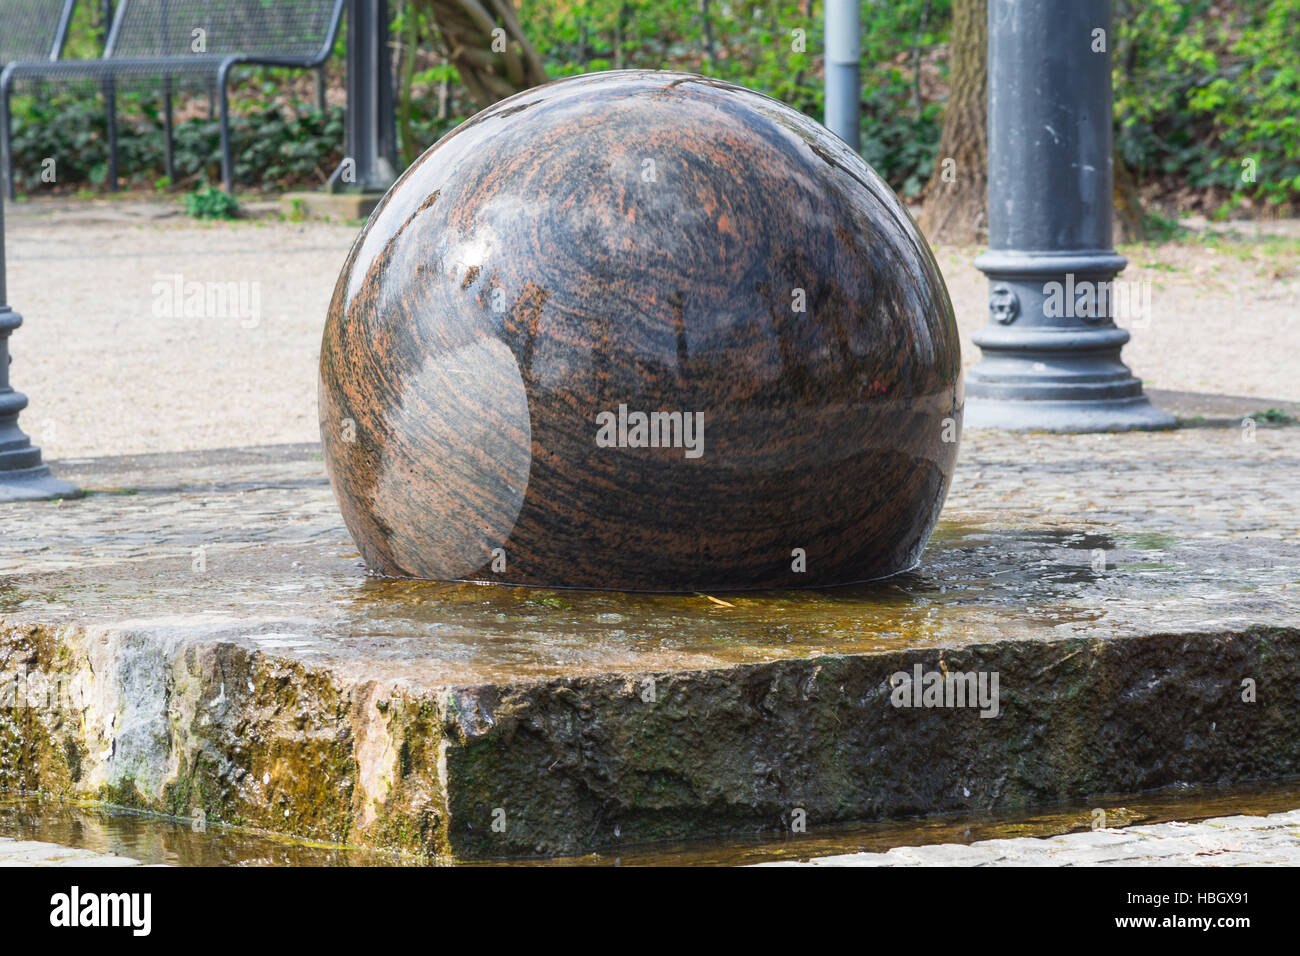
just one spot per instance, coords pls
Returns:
(289, 28)
(33, 29)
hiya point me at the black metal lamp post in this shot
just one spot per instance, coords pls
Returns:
(1051, 351)
(370, 126)
(23, 476)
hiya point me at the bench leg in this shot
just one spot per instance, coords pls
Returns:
(169, 151)
(110, 103)
(227, 167)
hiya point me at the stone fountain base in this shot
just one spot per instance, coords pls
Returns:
(198, 634)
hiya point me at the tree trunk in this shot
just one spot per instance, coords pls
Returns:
(1129, 223)
(403, 73)
(1129, 220)
(492, 65)
(955, 196)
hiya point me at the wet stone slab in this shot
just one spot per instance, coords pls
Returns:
(199, 633)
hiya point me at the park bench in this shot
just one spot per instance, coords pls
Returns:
(33, 29)
(181, 41)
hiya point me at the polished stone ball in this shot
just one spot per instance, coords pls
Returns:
(644, 331)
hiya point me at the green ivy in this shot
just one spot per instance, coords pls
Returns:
(275, 146)
(208, 203)
(1207, 94)
(767, 45)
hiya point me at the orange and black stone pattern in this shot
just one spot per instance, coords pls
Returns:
(641, 331)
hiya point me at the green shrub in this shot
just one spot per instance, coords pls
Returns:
(1207, 96)
(275, 146)
(1207, 93)
(755, 43)
(208, 203)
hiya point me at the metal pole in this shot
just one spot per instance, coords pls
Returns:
(371, 129)
(843, 84)
(1051, 351)
(23, 476)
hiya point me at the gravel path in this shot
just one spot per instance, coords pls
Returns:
(107, 374)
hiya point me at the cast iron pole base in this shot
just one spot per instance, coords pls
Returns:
(1118, 415)
(34, 484)
(1044, 371)
(23, 476)
(1051, 350)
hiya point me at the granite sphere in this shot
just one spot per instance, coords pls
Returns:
(640, 330)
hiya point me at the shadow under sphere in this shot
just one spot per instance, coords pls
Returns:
(641, 330)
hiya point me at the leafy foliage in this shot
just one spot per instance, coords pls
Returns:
(770, 45)
(208, 203)
(1207, 92)
(1207, 95)
(275, 146)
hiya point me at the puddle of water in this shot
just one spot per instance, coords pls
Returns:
(1031, 575)
(150, 838)
(153, 839)
(1185, 803)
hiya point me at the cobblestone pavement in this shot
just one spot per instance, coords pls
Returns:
(113, 363)
(1224, 841)
(30, 853)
